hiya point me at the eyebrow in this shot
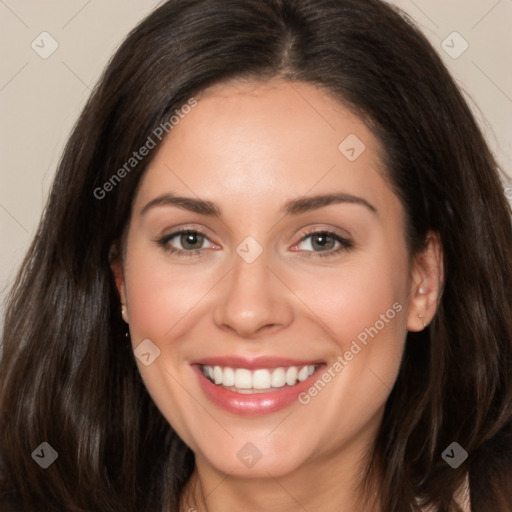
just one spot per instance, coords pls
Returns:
(292, 207)
(306, 204)
(186, 203)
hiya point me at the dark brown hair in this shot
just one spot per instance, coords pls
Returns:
(67, 376)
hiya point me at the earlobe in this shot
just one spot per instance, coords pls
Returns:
(426, 284)
(116, 265)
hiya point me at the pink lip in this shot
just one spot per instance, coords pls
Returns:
(254, 363)
(256, 404)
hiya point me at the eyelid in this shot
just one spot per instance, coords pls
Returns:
(346, 243)
(175, 234)
(163, 241)
(330, 230)
(174, 231)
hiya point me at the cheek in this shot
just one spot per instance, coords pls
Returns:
(363, 310)
(359, 296)
(160, 295)
(161, 300)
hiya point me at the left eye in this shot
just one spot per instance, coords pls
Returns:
(323, 241)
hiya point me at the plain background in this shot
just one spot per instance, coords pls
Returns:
(40, 99)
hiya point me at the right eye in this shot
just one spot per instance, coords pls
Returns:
(185, 242)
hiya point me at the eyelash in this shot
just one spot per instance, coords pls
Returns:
(164, 243)
(345, 245)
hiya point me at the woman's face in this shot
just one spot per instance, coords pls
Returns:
(291, 283)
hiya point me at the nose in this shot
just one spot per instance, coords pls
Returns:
(253, 300)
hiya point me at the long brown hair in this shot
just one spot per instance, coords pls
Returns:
(68, 377)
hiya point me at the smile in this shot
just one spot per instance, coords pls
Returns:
(255, 387)
(243, 380)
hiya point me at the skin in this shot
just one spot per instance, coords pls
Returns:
(250, 147)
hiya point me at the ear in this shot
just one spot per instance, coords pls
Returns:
(427, 279)
(116, 265)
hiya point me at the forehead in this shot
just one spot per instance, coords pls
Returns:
(258, 143)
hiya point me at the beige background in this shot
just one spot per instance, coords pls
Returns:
(40, 99)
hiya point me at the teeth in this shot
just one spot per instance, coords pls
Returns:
(291, 375)
(261, 379)
(278, 378)
(244, 379)
(217, 375)
(228, 377)
(303, 374)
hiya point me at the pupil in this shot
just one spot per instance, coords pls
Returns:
(323, 241)
(189, 240)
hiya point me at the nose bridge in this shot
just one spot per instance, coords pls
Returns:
(252, 297)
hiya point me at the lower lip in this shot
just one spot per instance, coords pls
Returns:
(255, 404)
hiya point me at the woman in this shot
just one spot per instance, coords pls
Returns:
(276, 253)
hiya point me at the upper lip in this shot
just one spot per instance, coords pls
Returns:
(255, 362)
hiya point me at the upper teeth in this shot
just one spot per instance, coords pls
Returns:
(242, 378)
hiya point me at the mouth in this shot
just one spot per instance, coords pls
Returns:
(260, 380)
(255, 387)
